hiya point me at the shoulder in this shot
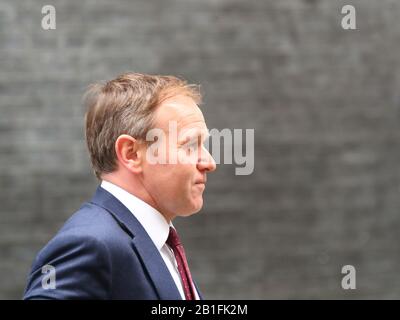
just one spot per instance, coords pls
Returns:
(82, 253)
(91, 226)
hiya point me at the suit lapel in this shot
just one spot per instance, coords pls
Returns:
(144, 246)
(157, 269)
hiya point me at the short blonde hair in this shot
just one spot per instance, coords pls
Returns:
(126, 105)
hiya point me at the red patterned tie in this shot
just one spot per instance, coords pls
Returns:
(175, 243)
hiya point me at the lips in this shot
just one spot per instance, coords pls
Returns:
(201, 181)
(200, 186)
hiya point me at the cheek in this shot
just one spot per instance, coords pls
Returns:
(181, 181)
(183, 174)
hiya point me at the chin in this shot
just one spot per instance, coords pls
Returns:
(194, 208)
(198, 206)
(188, 205)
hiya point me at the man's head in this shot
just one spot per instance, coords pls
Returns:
(122, 113)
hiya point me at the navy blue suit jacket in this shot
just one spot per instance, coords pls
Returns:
(102, 252)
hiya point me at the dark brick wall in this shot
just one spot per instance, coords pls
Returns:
(324, 103)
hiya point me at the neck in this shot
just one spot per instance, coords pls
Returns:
(136, 188)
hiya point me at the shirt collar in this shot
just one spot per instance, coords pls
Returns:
(151, 219)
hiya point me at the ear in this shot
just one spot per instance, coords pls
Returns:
(129, 153)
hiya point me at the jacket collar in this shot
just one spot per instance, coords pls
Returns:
(145, 248)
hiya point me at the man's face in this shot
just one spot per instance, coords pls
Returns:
(176, 186)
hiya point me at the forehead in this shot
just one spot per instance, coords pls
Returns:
(182, 110)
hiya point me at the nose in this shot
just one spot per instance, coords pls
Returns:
(206, 162)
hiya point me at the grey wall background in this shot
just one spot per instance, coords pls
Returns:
(324, 103)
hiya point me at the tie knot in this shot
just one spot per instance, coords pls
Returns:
(173, 238)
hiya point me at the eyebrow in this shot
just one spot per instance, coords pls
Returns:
(195, 134)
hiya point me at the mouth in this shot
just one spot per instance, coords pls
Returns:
(201, 181)
(200, 186)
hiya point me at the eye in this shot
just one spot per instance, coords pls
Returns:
(191, 146)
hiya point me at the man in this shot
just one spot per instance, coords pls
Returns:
(145, 136)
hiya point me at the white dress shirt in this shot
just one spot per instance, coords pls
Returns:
(155, 225)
